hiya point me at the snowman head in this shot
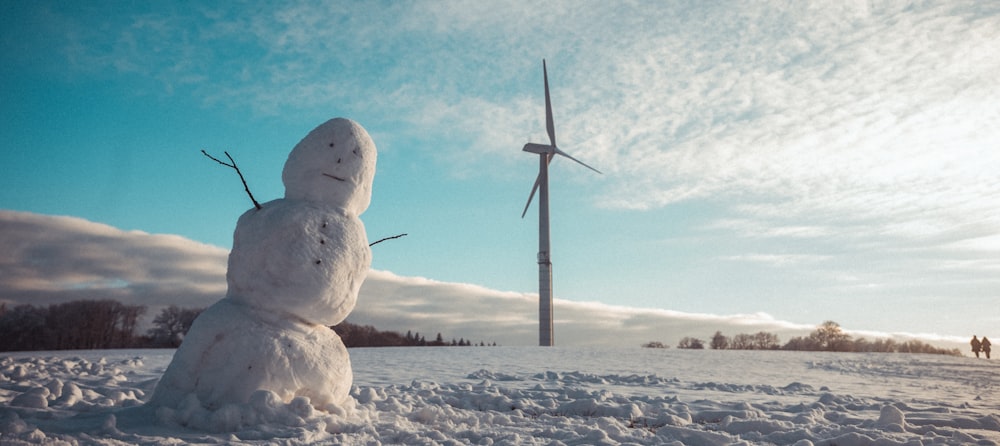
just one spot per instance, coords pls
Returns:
(333, 165)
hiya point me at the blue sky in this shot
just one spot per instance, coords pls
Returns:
(803, 160)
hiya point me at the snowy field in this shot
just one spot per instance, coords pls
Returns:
(527, 395)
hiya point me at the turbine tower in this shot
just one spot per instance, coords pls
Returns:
(545, 155)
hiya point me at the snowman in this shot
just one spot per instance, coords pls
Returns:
(295, 269)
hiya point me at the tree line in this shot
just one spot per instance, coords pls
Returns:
(90, 324)
(355, 335)
(109, 324)
(828, 336)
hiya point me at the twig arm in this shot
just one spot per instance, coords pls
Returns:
(386, 238)
(237, 169)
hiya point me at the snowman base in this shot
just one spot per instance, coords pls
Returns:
(233, 351)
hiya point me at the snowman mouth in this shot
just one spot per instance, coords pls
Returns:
(331, 176)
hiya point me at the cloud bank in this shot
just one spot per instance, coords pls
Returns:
(49, 259)
(52, 259)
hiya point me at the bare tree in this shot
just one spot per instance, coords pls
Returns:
(766, 341)
(742, 341)
(828, 336)
(22, 328)
(719, 341)
(127, 321)
(170, 326)
(691, 343)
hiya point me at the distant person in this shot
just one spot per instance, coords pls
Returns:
(976, 345)
(985, 345)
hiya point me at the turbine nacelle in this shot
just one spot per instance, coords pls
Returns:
(541, 149)
(550, 150)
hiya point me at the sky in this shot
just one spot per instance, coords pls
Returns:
(792, 161)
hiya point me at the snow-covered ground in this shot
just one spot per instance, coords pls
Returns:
(527, 395)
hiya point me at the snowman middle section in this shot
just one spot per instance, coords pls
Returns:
(299, 258)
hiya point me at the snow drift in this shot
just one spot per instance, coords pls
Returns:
(530, 395)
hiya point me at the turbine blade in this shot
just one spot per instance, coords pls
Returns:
(549, 124)
(538, 180)
(574, 159)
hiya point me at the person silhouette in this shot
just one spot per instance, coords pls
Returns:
(985, 345)
(976, 345)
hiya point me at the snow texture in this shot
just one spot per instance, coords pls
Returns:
(296, 267)
(527, 396)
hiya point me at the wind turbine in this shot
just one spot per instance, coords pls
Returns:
(546, 153)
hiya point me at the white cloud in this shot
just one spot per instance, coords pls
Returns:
(850, 112)
(777, 260)
(57, 259)
(509, 318)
